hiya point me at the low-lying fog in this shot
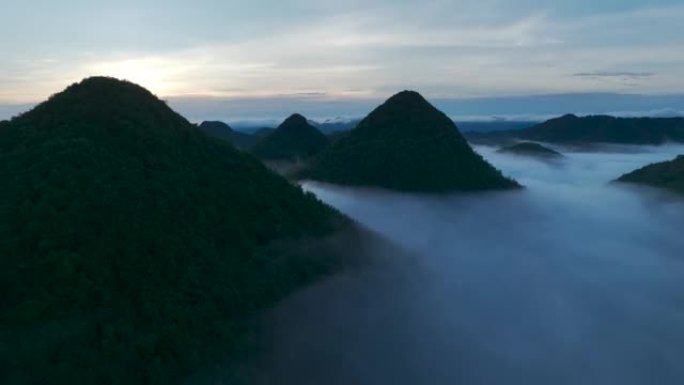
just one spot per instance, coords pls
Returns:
(571, 281)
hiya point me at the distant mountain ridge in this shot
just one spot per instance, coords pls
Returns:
(571, 129)
(221, 130)
(406, 144)
(467, 126)
(335, 126)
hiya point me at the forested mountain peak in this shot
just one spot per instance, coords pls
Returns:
(132, 245)
(294, 139)
(406, 144)
(294, 120)
(105, 102)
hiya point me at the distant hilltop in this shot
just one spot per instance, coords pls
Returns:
(294, 139)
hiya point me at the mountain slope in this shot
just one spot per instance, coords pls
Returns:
(668, 175)
(223, 131)
(294, 139)
(570, 129)
(406, 144)
(132, 246)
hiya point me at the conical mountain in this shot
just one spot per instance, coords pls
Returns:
(668, 175)
(132, 246)
(294, 139)
(407, 144)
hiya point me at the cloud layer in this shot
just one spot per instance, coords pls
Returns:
(571, 281)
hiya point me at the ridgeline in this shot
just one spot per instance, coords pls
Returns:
(571, 129)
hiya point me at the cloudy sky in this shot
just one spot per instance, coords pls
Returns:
(203, 54)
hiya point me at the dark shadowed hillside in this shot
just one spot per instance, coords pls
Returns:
(668, 175)
(407, 144)
(132, 246)
(294, 139)
(223, 131)
(570, 129)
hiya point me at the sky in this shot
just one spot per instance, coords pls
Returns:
(351, 54)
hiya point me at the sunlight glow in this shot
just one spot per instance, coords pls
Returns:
(155, 74)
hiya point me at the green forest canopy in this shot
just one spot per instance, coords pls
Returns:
(406, 144)
(131, 245)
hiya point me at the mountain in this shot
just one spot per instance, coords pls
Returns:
(406, 144)
(133, 247)
(223, 131)
(570, 129)
(294, 139)
(530, 149)
(668, 175)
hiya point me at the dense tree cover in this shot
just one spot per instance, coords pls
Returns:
(668, 175)
(294, 139)
(406, 144)
(530, 149)
(223, 131)
(571, 129)
(132, 245)
(337, 135)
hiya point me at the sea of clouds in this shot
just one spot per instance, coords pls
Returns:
(573, 280)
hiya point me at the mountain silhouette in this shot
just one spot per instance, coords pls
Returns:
(406, 144)
(571, 129)
(294, 139)
(132, 246)
(223, 131)
(530, 149)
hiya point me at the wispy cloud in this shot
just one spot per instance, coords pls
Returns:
(615, 74)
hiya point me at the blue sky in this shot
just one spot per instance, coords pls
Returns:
(348, 53)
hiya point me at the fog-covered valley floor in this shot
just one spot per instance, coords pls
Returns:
(573, 280)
